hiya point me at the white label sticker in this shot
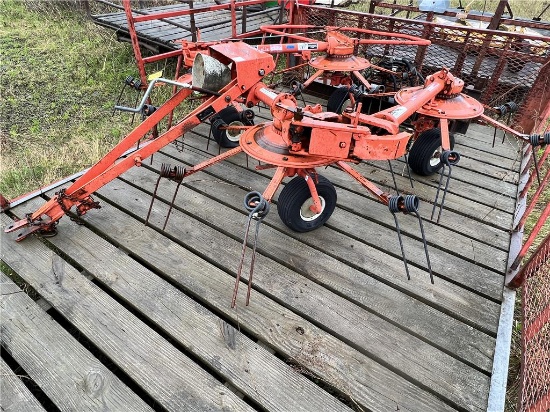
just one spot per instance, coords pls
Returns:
(269, 93)
(398, 111)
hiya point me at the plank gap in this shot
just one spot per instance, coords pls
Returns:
(305, 316)
(31, 385)
(289, 266)
(234, 236)
(43, 304)
(101, 357)
(19, 281)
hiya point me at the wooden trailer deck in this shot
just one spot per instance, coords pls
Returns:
(167, 33)
(133, 317)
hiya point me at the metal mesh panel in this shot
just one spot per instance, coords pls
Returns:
(535, 383)
(497, 67)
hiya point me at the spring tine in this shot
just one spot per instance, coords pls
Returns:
(241, 262)
(135, 104)
(209, 138)
(393, 177)
(153, 199)
(119, 97)
(177, 174)
(425, 244)
(252, 261)
(449, 158)
(437, 192)
(171, 205)
(402, 247)
(444, 194)
(258, 208)
(408, 170)
(495, 136)
(394, 208)
(536, 164)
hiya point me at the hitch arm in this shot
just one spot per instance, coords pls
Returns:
(108, 168)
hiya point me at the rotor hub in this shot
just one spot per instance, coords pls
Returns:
(450, 106)
(264, 143)
(345, 63)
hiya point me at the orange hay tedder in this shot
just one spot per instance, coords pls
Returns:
(298, 139)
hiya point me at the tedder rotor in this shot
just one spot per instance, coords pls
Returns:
(296, 142)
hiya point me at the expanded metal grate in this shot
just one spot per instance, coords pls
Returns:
(535, 376)
(496, 66)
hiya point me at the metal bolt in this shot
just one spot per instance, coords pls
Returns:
(342, 145)
(261, 72)
(285, 158)
(227, 99)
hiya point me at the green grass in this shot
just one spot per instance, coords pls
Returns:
(59, 77)
(520, 8)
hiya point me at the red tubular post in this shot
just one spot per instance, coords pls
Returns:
(534, 233)
(135, 42)
(233, 19)
(536, 196)
(533, 264)
(532, 176)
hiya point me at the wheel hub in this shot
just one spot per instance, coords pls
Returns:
(306, 212)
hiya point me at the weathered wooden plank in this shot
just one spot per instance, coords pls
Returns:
(469, 243)
(366, 382)
(250, 368)
(459, 190)
(350, 321)
(496, 180)
(467, 273)
(489, 158)
(164, 32)
(222, 30)
(481, 137)
(453, 224)
(479, 150)
(490, 213)
(65, 371)
(462, 197)
(336, 267)
(169, 376)
(14, 395)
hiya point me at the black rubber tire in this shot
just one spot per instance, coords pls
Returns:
(337, 100)
(293, 199)
(230, 116)
(424, 155)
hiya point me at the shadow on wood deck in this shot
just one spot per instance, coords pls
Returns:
(133, 317)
